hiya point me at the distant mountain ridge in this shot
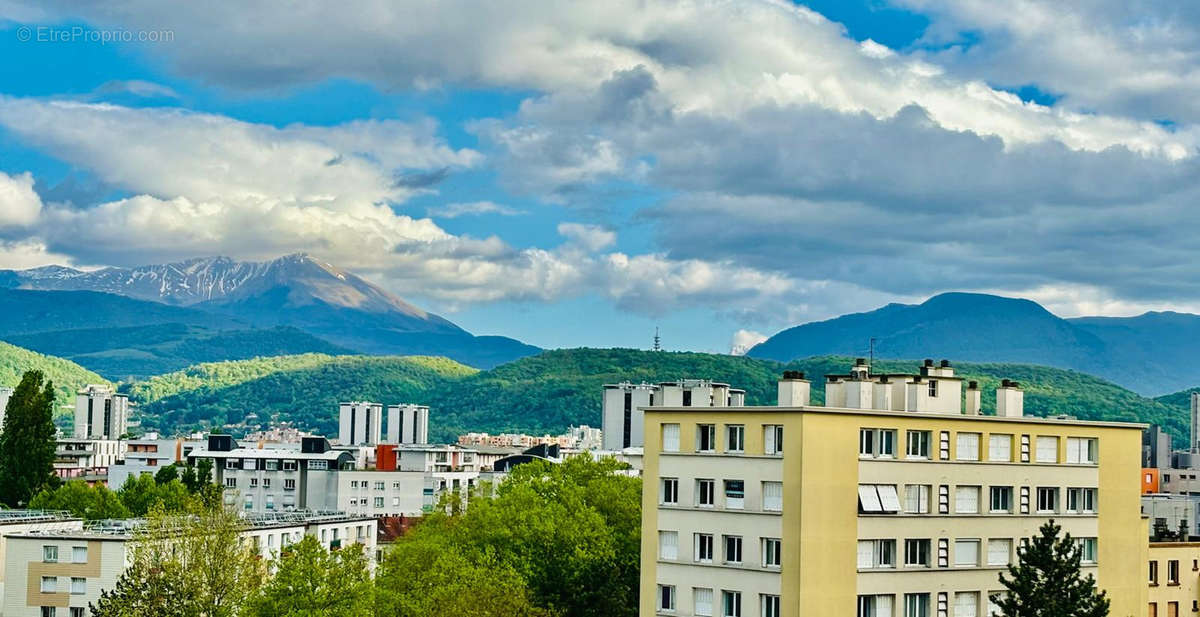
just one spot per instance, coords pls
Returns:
(1148, 354)
(297, 291)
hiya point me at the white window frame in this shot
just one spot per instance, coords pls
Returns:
(698, 542)
(772, 549)
(701, 483)
(1001, 454)
(922, 494)
(78, 585)
(995, 545)
(773, 439)
(668, 545)
(49, 553)
(1005, 490)
(670, 437)
(1050, 490)
(668, 493)
(49, 584)
(1082, 450)
(735, 438)
(966, 499)
(702, 601)
(666, 596)
(1043, 452)
(772, 496)
(964, 547)
(920, 442)
(964, 450)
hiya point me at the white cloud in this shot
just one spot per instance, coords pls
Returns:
(19, 204)
(590, 238)
(743, 340)
(455, 210)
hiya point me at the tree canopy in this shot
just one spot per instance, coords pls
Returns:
(27, 440)
(1046, 581)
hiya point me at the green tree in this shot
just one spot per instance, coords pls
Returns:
(194, 565)
(568, 533)
(1046, 580)
(313, 582)
(86, 502)
(167, 474)
(428, 578)
(27, 440)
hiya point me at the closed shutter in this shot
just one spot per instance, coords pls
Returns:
(773, 496)
(670, 437)
(668, 544)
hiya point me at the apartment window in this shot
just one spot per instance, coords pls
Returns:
(379, 502)
(253, 482)
(733, 549)
(266, 483)
(731, 604)
(1172, 572)
(272, 465)
(933, 388)
(916, 605)
(966, 499)
(1000, 448)
(704, 547)
(289, 485)
(318, 465)
(917, 445)
(289, 465)
(50, 554)
(772, 439)
(876, 554)
(706, 437)
(1088, 555)
(1047, 499)
(1153, 572)
(232, 463)
(999, 551)
(668, 545)
(702, 600)
(735, 438)
(666, 598)
(1081, 450)
(1047, 450)
(735, 494)
(771, 548)
(670, 437)
(230, 482)
(1000, 498)
(395, 501)
(395, 486)
(1081, 500)
(249, 502)
(270, 503)
(916, 553)
(967, 447)
(706, 493)
(770, 605)
(875, 606)
(772, 496)
(670, 491)
(48, 611)
(49, 584)
(77, 611)
(379, 486)
(78, 585)
(916, 498)
(877, 443)
(878, 499)
(966, 604)
(966, 553)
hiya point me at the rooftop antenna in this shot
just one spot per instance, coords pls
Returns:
(657, 340)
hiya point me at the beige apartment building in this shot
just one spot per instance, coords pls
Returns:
(897, 499)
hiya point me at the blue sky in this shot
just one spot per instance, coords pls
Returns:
(580, 175)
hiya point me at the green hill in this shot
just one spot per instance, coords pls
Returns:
(66, 375)
(304, 389)
(550, 391)
(137, 352)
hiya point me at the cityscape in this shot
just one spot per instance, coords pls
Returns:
(606, 308)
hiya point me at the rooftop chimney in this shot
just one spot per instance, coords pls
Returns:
(1193, 446)
(974, 399)
(1010, 400)
(794, 389)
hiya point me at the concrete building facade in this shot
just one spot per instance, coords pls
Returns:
(623, 405)
(100, 413)
(903, 507)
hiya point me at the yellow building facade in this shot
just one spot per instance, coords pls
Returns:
(1174, 579)
(807, 510)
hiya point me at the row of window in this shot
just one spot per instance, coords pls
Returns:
(79, 554)
(72, 611)
(702, 602)
(918, 552)
(966, 604)
(734, 494)
(1172, 571)
(289, 484)
(884, 499)
(881, 443)
(78, 585)
(379, 501)
(704, 549)
(379, 486)
(735, 438)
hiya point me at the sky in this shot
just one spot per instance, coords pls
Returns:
(578, 174)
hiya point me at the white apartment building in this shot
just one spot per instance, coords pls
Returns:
(276, 479)
(87, 458)
(148, 455)
(64, 569)
(362, 424)
(408, 424)
(382, 493)
(100, 413)
(21, 521)
(623, 405)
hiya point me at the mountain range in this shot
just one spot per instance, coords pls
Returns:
(1150, 354)
(306, 304)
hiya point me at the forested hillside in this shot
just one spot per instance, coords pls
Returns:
(548, 392)
(66, 375)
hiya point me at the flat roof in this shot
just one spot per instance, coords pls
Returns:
(270, 453)
(901, 414)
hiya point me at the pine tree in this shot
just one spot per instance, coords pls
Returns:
(27, 440)
(1046, 580)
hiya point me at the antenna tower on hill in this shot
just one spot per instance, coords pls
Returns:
(657, 340)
